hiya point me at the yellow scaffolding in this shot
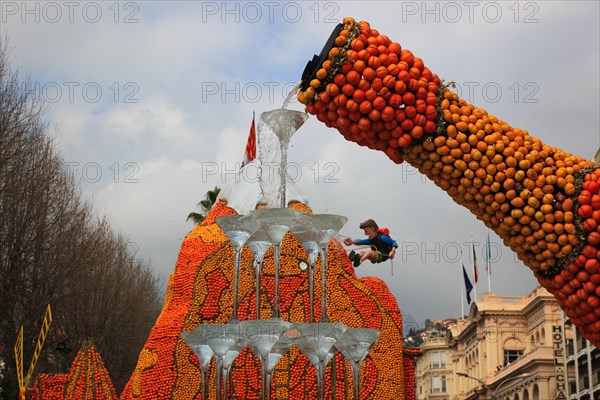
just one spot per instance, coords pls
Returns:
(19, 357)
(24, 381)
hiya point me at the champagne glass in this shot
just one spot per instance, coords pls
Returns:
(308, 238)
(317, 342)
(258, 244)
(238, 229)
(283, 123)
(195, 339)
(276, 222)
(355, 344)
(221, 338)
(230, 356)
(326, 226)
(262, 335)
(280, 348)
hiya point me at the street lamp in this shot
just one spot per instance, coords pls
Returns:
(486, 387)
(523, 375)
(465, 375)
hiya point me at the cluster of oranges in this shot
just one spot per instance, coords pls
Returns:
(543, 202)
(409, 372)
(577, 287)
(166, 366)
(86, 380)
(373, 91)
(520, 187)
(200, 291)
(147, 360)
(48, 387)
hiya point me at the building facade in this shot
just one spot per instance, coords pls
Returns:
(507, 349)
(582, 360)
(433, 370)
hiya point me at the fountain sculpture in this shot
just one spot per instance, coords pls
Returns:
(238, 296)
(318, 341)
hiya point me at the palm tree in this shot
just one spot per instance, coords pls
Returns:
(210, 198)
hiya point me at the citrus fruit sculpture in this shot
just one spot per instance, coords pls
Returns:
(543, 202)
(200, 291)
(87, 379)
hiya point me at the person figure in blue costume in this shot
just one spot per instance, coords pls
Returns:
(382, 245)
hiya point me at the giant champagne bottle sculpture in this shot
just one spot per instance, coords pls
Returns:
(543, 202)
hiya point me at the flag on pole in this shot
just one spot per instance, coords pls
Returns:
(475, 277)
(468, 284)
(250, 153)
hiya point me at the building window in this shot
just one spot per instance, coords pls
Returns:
(438, 384)
(581, 341)
(573, 387)
(570, 347)
(511, 356)
(536, 392)
(438, 360)
(584, 382)
(596, 370)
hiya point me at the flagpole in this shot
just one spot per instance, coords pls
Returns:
(257, 138)
(488, 254)
(474, 266)
(463, 288)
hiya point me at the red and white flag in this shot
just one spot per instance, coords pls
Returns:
(250, 153)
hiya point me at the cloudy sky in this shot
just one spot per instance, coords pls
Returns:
(151, 101)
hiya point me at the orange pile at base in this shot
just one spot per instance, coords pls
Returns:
(87, 380)
(410, 356)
